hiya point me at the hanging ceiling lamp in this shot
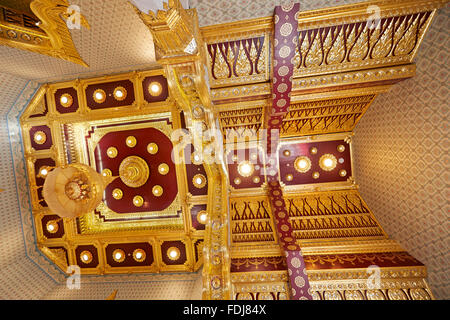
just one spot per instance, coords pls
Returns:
(74, 189)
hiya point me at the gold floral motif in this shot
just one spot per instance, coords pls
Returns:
(134, 171)
(327, 162)
(112, 152)
(138, 201)
(302, 164)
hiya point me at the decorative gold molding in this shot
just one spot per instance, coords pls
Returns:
(52, 37)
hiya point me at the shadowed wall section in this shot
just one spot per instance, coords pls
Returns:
(401, 158)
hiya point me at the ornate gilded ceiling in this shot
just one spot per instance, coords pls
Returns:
(271, 190)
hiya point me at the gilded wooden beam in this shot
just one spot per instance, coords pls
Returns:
(48, 35)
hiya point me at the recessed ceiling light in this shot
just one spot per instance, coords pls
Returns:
(302, 164)
(99, 96)
(202, 217)
(39, 137)
(155, 88)
(245, 168)
(173, 253)
(327, 162)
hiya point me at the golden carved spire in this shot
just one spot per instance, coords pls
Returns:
(174, 29)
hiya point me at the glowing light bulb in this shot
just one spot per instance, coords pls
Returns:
(99, 96)
(154, 88)
(138, 255)
(302, 164)
(51, 227)
(44, 172)
(64, 100)
(119, 94)
(85, 257)
(173, 253)
(199, 180)
(202, 218)
(328, 162)
(118, 255)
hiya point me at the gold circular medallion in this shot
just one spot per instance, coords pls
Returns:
(154, 88)
(173, 253)
(139, 255)
(256, 179)
(163, 169)
(341, 148)
(106, 173)
(313, 150)
(286, 153)
(111, 152)
(99, 96)
(152, 148)
(327, 162)
(117, 194)
(342, 173)
(199, 181)
(120, 93)
(302, 164)
(316, 175)
(237, 181)
(118, 255)
(39, 137)
(86, 257)
(138, 201)
(134, 171)
(66, 100)
(157, 191)
(131, 141)
(289, 177)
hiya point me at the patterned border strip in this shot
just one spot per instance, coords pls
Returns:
(296, 265)
(286, 38)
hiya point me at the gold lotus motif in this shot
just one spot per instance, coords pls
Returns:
(134, 171)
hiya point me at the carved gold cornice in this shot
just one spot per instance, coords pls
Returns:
(52, 38)
(359, 11)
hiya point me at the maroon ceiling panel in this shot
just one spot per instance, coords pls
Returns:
(193, 169)
(73, 107)
(168, 182)
(93, 250)
(194, 214)
(166, 245)
(164, 89)
(304, 149)
(38, 164)
(48, 138)
(128, 249)
(110, 100)
(255, 159)
(59, 233)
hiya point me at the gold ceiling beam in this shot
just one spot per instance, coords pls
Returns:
(49, 34)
